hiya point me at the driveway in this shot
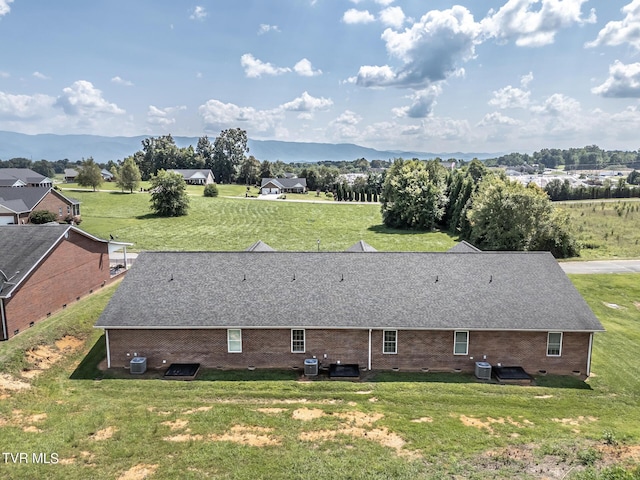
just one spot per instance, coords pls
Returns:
(602, 266)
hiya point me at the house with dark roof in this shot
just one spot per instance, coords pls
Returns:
(381, 311)
(196, 177)
(23, 177)
(44, 268)
(70, 175)
(16, 204)
(283, 185)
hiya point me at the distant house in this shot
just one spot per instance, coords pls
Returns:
(283, 185)
(107, 176)
(381, 311)
(197, 177)
(70, 175)
(23, 177)
(16, 204)
(44, 268)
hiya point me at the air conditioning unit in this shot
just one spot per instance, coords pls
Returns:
(311, 367)
(138, 365)
(483, 370)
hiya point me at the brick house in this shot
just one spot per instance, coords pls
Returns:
(16, 204)
(43, 268)
(379, 310)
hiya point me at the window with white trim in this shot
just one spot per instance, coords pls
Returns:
(389, 341)
(297, 341)
(234, 340)
(461, 343)
(554, 344)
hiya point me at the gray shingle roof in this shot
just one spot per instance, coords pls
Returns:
(487, 290)
(285, 182)
(25, 174)
(463, 247)
(30, 196)
(259, 246)
(361, 246)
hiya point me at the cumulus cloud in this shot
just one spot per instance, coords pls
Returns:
(40, 76)
(254, 68)
(83, 99)
(307, 103)
(4, 7)
(345, 126)
(199, 13)
(384, 3)
(24, 107)
(305, 69)
(557, 105)
(353, 15)
(623, 81)
(497, 118)
(534, 28)
(510, 97)
(162, 117)
(121, 81)
(217, 116)
(625, 31)
(392, 17)
(429, 50)
(265, 28)
(422, 105)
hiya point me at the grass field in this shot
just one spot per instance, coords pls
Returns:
(267, 425)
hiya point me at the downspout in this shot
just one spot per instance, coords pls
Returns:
(369, 363)
(106, 334)
(589, 355)
(5, 334)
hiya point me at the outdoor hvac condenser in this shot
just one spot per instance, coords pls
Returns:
(483, 370)
(138, 365)
(311, 367)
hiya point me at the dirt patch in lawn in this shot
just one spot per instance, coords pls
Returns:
(637, 305)
(196, 410)
(139, 472)
(575, 421)
(183, 437)
(9, 383)
(489, 422)
(104, 434)
(176, 424)
(44, 357)
(271, 411)
(423, 420)
(248, 435)
(306, 414)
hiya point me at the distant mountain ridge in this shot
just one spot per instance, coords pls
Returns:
(76, 147)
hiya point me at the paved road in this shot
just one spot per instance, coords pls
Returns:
(602, 266)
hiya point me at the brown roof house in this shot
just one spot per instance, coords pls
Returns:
(43, 268)
(16, 204)
(378, 310)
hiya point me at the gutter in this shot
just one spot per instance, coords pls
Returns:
(589, 354)
(106, 334)
(369, 362)
(5, 334)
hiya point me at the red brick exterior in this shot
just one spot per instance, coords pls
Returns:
(416, 350)
(56, 204)
(75, 267)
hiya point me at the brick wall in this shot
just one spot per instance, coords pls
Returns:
(54, 203)
(74, 268)
(271, 348)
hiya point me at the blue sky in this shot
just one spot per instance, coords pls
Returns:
(426, 75)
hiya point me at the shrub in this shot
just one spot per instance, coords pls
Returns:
(211, 190)
(38, 217)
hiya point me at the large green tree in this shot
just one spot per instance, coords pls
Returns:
(89, 174)
(128, 175)
(413, 194)
(506, 215)
(229, 150)
(250, 170)
(169, 194)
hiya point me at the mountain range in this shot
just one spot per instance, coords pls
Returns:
(76, 147)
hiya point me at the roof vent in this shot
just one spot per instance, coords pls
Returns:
(436, 279)
(490, 278)
(342, 278)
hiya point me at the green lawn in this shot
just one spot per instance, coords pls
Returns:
(265, 425)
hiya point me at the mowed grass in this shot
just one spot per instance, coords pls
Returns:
(606, 229)
(265, 425)
(235, 223)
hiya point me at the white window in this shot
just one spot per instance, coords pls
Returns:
(59, 211)
(460, 343)
(389, 341)
(297, 341)
(554, 344)
(234, 340)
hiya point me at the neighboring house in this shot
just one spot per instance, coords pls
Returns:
(23, 177)
(283, 185)
(16, 204)
(70, 175)
(107, 176)
(44, 268)
(196, 177)
(382, 311)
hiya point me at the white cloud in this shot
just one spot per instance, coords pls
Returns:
(384, 3)
(40, 76)
(4, 74)
(525, 80)
(429, 50)
(497, 118)
(265, 28)
(352, 16)
(120, 81)
(162, 116)
(217, 116)
(625, 31)
(307, 103)
(423, 103)
(392, 17)
(24, 107)
(305, 69)
(510, 97)
(199, 13)
(83, 99)
(623, 81)
(344, 127)
(4, 7)
(557, 105)
(254, 68)
(534, 28)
